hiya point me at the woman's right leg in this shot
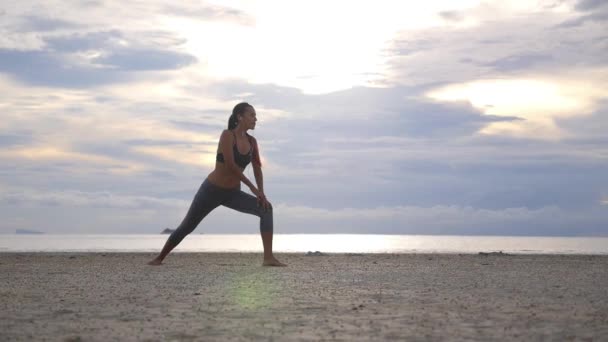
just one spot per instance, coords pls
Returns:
(206, 199)
(246, 203)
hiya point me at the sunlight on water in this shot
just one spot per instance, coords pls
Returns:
(302, 243)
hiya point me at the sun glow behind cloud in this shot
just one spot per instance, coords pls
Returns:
(316, 47)
(182, 156)
(537, 101)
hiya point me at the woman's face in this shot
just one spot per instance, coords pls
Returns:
(248, 118)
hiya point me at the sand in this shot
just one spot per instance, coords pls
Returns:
(224, 297)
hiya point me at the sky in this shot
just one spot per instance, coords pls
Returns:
(454, 117)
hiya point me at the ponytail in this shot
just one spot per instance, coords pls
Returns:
(238, 110)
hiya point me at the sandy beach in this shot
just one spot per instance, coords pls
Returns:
(223, 297)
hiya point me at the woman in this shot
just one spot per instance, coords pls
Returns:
(222, 186)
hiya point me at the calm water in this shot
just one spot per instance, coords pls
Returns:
(301, 243)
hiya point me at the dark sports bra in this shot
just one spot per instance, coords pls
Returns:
(241, 160)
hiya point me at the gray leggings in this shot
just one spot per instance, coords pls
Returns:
(209, 197)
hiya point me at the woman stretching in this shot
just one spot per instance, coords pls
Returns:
(223, 185)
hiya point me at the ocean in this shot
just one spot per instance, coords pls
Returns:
(303, 243)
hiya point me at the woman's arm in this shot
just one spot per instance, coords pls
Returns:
(259, 177)
(226, 142)
(257, 165)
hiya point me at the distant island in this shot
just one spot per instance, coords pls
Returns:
(167, 231)
(26, 231)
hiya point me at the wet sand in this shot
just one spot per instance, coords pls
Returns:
(223, 297)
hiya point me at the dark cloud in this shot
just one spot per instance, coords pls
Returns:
(428, 119)
(119, 51)
(596, 17)
(49, 69)
(493, 182)
(141, 60)
(545, 179)
(112, 40)
(38, 23)
(586, 5)
(519, 62)
(595, 11)
(366, 111)
(83, 42)
(593, 126)
(57, 66)
(14, 139)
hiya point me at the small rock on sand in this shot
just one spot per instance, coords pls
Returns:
(500, 253)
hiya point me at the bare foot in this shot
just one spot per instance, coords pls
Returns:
(272, 262)
(155, 262)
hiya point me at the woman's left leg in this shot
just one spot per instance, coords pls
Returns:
(246, 203)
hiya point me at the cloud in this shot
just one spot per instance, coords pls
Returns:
(43, 68)
(505, 72)
(158, 142)
(442, 220)
(92, 59)
(366, 111)
(586, 5)
(507, 45)
(538, 101)
(43, 153)
(211, 12)
(130, 153)
(74, 198)
(594, 11)
(379, 139)
(452, 15)
(141, 60)
(409, 151)
(75, 42)
(113, 40)
(111, 212)
(120, 210)
(214, 125)
(519, 62)
(33, 23)
(13, 139)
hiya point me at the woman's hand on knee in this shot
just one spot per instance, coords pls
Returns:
(263, 202)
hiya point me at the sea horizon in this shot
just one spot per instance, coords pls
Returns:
(304, 243)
